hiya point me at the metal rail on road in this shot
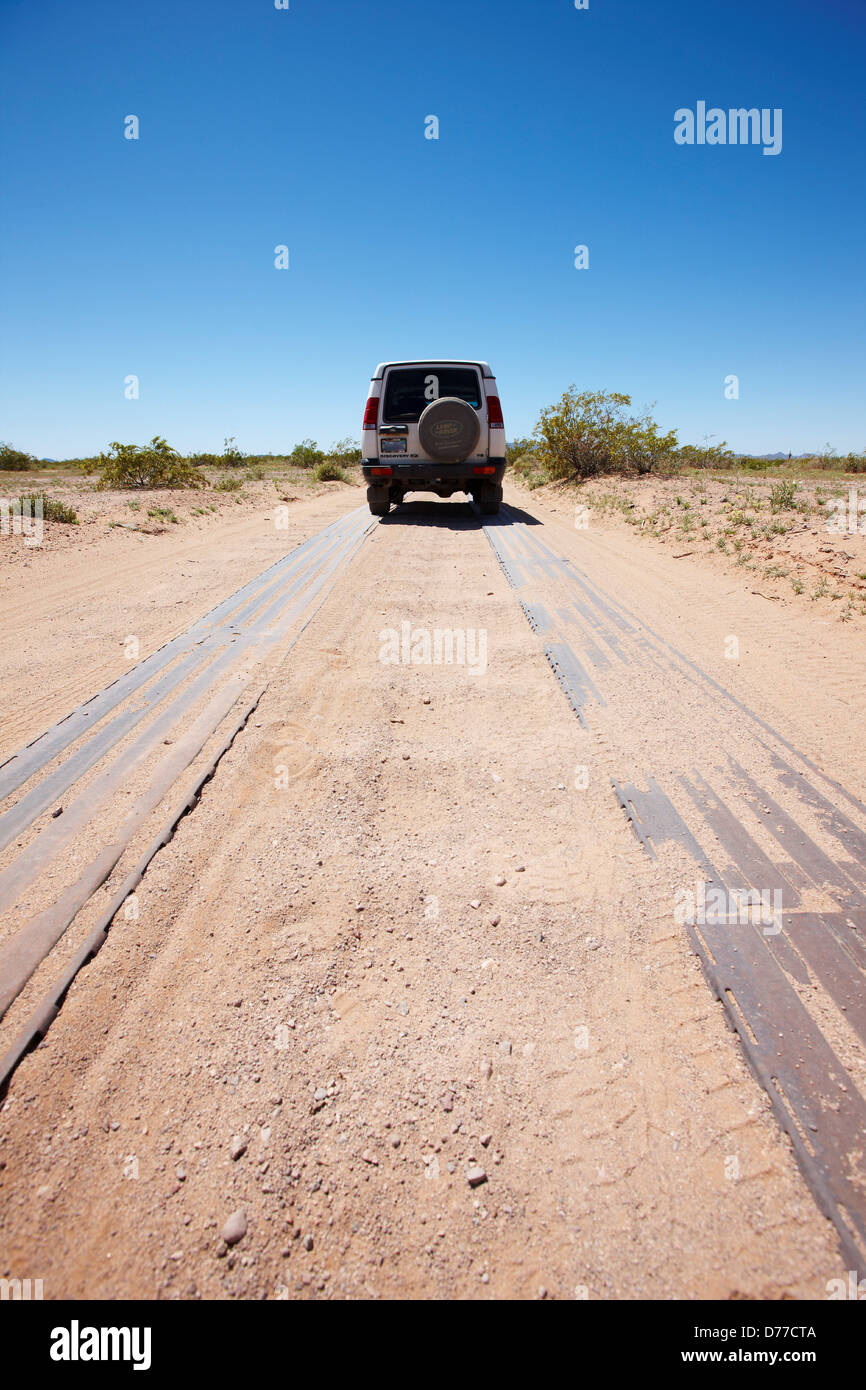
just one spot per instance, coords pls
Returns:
(45, 1012)
(205, 635)
(597, 649)
(198, 665)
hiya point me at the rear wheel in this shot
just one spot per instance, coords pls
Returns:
(488, 497)
(379, 500)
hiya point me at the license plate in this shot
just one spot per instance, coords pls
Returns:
(392, 446)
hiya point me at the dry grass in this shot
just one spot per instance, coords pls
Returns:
(774, 526)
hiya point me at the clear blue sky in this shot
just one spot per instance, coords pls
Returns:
(306, 127)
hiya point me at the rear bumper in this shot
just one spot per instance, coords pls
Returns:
(419, 473)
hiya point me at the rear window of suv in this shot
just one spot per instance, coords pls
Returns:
(409, 390)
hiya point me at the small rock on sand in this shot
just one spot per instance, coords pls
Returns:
(235, 1228)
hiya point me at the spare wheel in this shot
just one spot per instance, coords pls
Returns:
(449, 430)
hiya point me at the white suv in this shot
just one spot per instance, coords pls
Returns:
(433, 427)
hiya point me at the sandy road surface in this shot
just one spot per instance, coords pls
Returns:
(395, 947)
(66, 614)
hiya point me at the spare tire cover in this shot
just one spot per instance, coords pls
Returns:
(449, 430)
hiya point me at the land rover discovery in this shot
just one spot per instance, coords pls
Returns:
(433, 427)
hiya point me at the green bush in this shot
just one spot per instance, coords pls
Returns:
(526, 463)
(229, 484)
(52, 508)
(783, 495)
(703, 456)
(589, 433)
(518, 449)
(307, 454)
(845, 463)
(231, 457)
(85, 465)
(329, 471)
(529, 470)
(344, 453)
(151, 465)
(14, 460)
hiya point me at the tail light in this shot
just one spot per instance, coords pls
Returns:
(484, 468)
(371, 413)
(381, 472)
(494, 413)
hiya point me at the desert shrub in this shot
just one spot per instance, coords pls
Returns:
(230, 484)
(753, 465)
(307, 454)
(517, 449)
(52, 508)
(231, 457)
(828, 459)
(702, 456)
(526, 463)
(84, 465)
(783, 495)
(589, 433)
(14, 460)
(152, 465)
(344, 453)
(529, 470)
(841, 463)
(329, 471)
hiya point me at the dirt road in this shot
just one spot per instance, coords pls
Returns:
(405, 1000)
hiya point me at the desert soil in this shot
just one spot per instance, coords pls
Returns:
(401, 1003)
